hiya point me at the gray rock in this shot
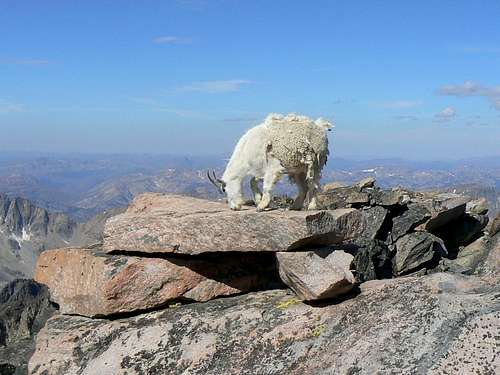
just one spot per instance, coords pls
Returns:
(417, 250)
(494, 226)
(372, 260)
(388, 198)
(312, 277)
(24, 309)
(358, 198)
(444, 208)
(491, 265)
(461, 231)
(477, 207)
(374, 219)
(157, 223)
(415, 215)
(367, 182)
(335, 197)
(411, 325)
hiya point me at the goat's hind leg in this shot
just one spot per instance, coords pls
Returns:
(257, 194)
(312, 191)
(300, 181)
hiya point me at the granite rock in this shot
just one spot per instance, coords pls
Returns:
(410, 325)
(313, 277)
(95, 284)
(156, 223)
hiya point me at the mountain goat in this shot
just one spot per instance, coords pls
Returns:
(292, 144)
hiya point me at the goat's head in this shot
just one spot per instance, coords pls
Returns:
(217, 182)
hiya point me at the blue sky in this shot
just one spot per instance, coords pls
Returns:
(411, 79)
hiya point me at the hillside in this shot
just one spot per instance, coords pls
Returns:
(26, 230)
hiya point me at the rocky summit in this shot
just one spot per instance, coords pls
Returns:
(376, 281)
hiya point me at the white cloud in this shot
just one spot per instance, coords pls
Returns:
(471, 88)
(400, 104)
(214, 87)
(445, 115)
(9, 107)
(170, 39)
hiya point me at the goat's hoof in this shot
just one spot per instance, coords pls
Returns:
(261, 208)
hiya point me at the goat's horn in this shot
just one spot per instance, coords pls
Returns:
(216, 178)
(213, 181)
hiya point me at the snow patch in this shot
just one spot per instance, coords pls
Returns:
(25, 235)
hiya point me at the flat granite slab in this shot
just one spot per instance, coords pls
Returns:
(159, 223)
(94, 284)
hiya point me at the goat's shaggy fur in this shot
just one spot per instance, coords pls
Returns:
(293, 145)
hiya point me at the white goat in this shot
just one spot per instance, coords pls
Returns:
(293, 145)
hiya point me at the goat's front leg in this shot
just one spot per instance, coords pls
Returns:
(271, 177)
(234, 194)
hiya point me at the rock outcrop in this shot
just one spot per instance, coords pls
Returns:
(436, 324)
(367, 289)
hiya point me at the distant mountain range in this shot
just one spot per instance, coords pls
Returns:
(82, 186)
(50, 200)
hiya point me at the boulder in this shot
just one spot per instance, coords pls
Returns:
(312, 277)
(92, 283)
(470, 257)
(335, 197)
(372, 260)
(367, 182)
(417, 250)
(389, 198)
(412, 325)
(157, 223)
(444, 208)
(358, 199)
(374, 218)
(415, 215)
